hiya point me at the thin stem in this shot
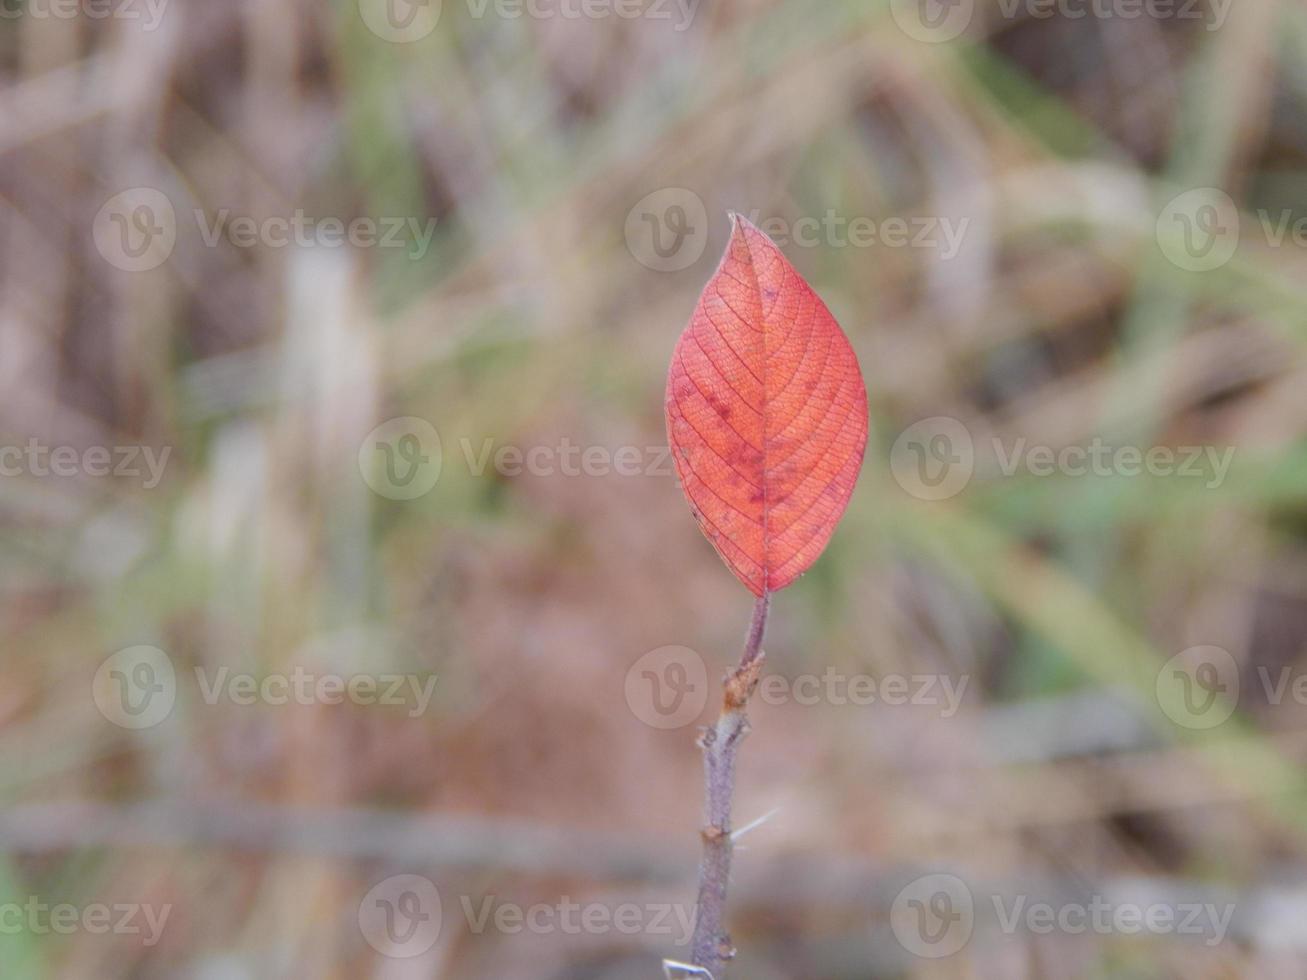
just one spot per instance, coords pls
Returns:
(711, 945)
(753, 645)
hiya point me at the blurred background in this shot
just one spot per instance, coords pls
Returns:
(355, 624)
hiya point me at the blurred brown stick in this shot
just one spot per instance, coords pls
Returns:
(352, 833)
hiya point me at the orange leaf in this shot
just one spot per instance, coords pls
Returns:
(766, 414)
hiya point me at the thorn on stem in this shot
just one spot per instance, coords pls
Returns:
(673, 970)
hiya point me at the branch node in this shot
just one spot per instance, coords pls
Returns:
(742, 682)
(713, 834)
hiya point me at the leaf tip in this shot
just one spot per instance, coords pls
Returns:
(740, 223)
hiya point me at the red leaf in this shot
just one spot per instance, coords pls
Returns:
(766, 414)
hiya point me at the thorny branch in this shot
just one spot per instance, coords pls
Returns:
(711, 947)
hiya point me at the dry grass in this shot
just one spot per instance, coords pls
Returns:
(529, 320)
